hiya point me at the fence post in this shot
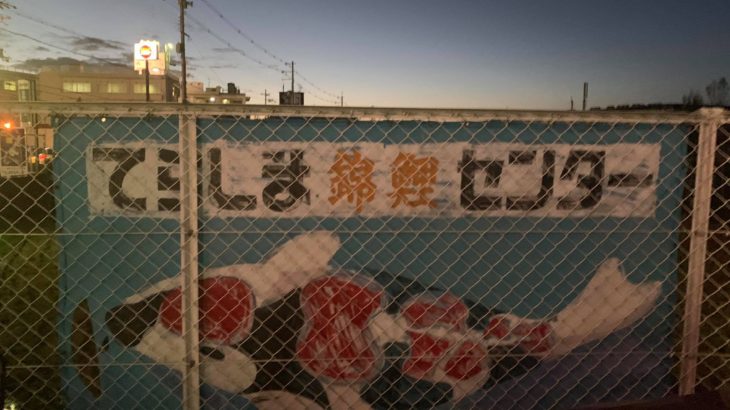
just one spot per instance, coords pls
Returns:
(189, 258)
(709, 124)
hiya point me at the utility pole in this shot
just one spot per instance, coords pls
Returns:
(147, 80)
(292, 79)
(266, 97)
(571, 104)
(342, 99)
(189, 204)
(585, 95)
(181, 49)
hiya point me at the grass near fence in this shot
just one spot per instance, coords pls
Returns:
(28, 337)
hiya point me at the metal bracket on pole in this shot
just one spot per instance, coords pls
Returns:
(709, 124)
(189, 259)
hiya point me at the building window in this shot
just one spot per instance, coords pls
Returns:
(24, 92)
(76, 87)
(139, 88)
(9, 85)
(116, 88)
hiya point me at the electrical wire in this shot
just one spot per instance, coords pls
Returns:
(204, 28)
(242, 34)
(303, 78)
(271, 54)
(261, 63)
(45, 43)
(81, 35)
(198, 56)
(200, 25)
(309, 92)
(56, 26)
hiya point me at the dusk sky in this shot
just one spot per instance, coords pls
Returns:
(426, 53)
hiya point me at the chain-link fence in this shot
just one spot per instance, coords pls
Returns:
(308, 257)
(714, 350)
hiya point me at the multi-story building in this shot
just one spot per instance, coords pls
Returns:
(17, 85)
(89, 83)
(79, 83)
(103, 83)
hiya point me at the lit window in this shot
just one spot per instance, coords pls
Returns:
(76, 87)
(9, 85)
(116, 88)
(139, 88)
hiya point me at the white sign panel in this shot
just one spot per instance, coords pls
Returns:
(144, 51)
(325, 179)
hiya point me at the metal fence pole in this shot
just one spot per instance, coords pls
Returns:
(189, 259)
(698, 247)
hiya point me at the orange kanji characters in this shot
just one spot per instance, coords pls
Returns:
(413, 179)
(352, 179)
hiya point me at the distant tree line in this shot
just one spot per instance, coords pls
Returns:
(717, 93)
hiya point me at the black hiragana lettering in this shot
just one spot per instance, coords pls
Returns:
(287, 180)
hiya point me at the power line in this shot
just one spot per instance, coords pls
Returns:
(48, 23)
(203, 27)
(43, 88)
(45, 43)
(320, 98)
(244, 35)
(317, 96)
(61, 92)
(276, 68)
(267, 51)
(78, 34)
(315, 86)
(232, 47)
(198, 56)
(309, 91)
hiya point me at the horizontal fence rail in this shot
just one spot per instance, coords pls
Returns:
(213, 256)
